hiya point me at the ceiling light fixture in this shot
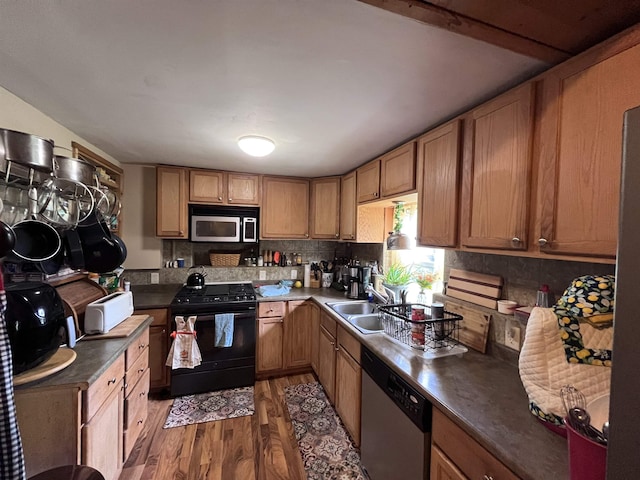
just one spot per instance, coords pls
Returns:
(256, 146)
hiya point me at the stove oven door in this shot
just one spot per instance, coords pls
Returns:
(222, 367)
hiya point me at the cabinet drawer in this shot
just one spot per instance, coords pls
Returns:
(134, 427)
(136, 371)
(272, 309)
(136, 348)
(467, 454)
(136, 401)
(328, 323)
(349, 343)
(100, 390)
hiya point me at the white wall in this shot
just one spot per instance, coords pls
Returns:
(144, 249)
(16, 114)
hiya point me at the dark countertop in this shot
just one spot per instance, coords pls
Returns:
(480, 393)
(154, 296)
(93, 359)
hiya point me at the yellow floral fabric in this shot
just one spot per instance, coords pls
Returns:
(588, 297)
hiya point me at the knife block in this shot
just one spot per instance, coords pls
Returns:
(313, 283)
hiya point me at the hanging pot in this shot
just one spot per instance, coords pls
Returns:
(74, 169)
(35, 241)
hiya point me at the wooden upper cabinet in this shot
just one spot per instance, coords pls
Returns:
(497, 172)
(368, 181)
(243, 189)
(285, 208)
(207, 186)
(348, 207)
(398, 171)
(439, 186)
(581, 152)
(171, 204)
(227, 188)
(325, 208)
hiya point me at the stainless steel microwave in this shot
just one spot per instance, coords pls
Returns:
(223, 224)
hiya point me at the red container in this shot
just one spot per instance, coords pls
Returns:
(587, 459)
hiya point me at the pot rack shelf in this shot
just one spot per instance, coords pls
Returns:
(110, 175)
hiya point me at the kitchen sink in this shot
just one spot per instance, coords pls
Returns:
(369, 323)
(346, 309)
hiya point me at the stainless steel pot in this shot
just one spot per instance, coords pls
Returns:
(74, 169)
(28, 150)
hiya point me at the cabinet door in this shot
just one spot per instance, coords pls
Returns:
(442, 468)
(285, 208)
(298, 329)
(348, 207)
(325, 208)
(243, 189)
(102, 437)
(497, 172)
(315, 334)
(581, 152)
(207, 186)
(327, 362)
(439, 186)
(158, 351)
(269, 344)
(348, 392)
(171, 191)
(368, 181)
(398, 171)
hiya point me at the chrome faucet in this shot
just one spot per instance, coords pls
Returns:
(389, 299)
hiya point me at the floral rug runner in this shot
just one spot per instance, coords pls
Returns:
(326, 449)
(211, 406)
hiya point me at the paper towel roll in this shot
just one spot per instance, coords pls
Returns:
(307, 275)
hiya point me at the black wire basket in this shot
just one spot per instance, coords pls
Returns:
(423, 327)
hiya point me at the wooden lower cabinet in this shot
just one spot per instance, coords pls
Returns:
(298, 327)
(158, 347)
(442, 468)
(269, 351)
(90, 427)
(348, 393)
(102, 436)
(285, 333)
(327, 362)
(315, 333)
(338, 369)
(455, 455)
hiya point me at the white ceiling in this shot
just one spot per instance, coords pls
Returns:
(333, 82)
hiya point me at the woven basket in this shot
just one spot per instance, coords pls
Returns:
(224, 259)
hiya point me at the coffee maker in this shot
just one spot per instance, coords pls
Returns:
(359, 278)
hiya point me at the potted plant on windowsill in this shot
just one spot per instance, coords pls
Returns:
(397, 279)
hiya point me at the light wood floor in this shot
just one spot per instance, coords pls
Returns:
(260, 447)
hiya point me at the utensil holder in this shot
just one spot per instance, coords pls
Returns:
(587, 459)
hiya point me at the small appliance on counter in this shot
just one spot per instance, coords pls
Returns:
(107, 312)
(359, 278)
(36, 323)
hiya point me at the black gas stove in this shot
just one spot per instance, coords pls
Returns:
(228, 366)
(216, 295)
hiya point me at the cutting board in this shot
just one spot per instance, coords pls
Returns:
(474, 287)
(59, 360)
(123, 329)
(474, 326)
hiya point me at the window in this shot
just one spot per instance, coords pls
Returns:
(423, 259)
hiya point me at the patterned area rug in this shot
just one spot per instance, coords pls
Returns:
(211, 406)
(326, 449)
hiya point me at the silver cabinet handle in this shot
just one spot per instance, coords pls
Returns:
(140, 422)
(142, 345)
(231, 199)
(220, 198)
(542, 242)
(487, 477)
(109, 382)
(515, 240)
(140, 370)
(337, 235)
(306, 235)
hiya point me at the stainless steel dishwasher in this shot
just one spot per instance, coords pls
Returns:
(396, 424)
